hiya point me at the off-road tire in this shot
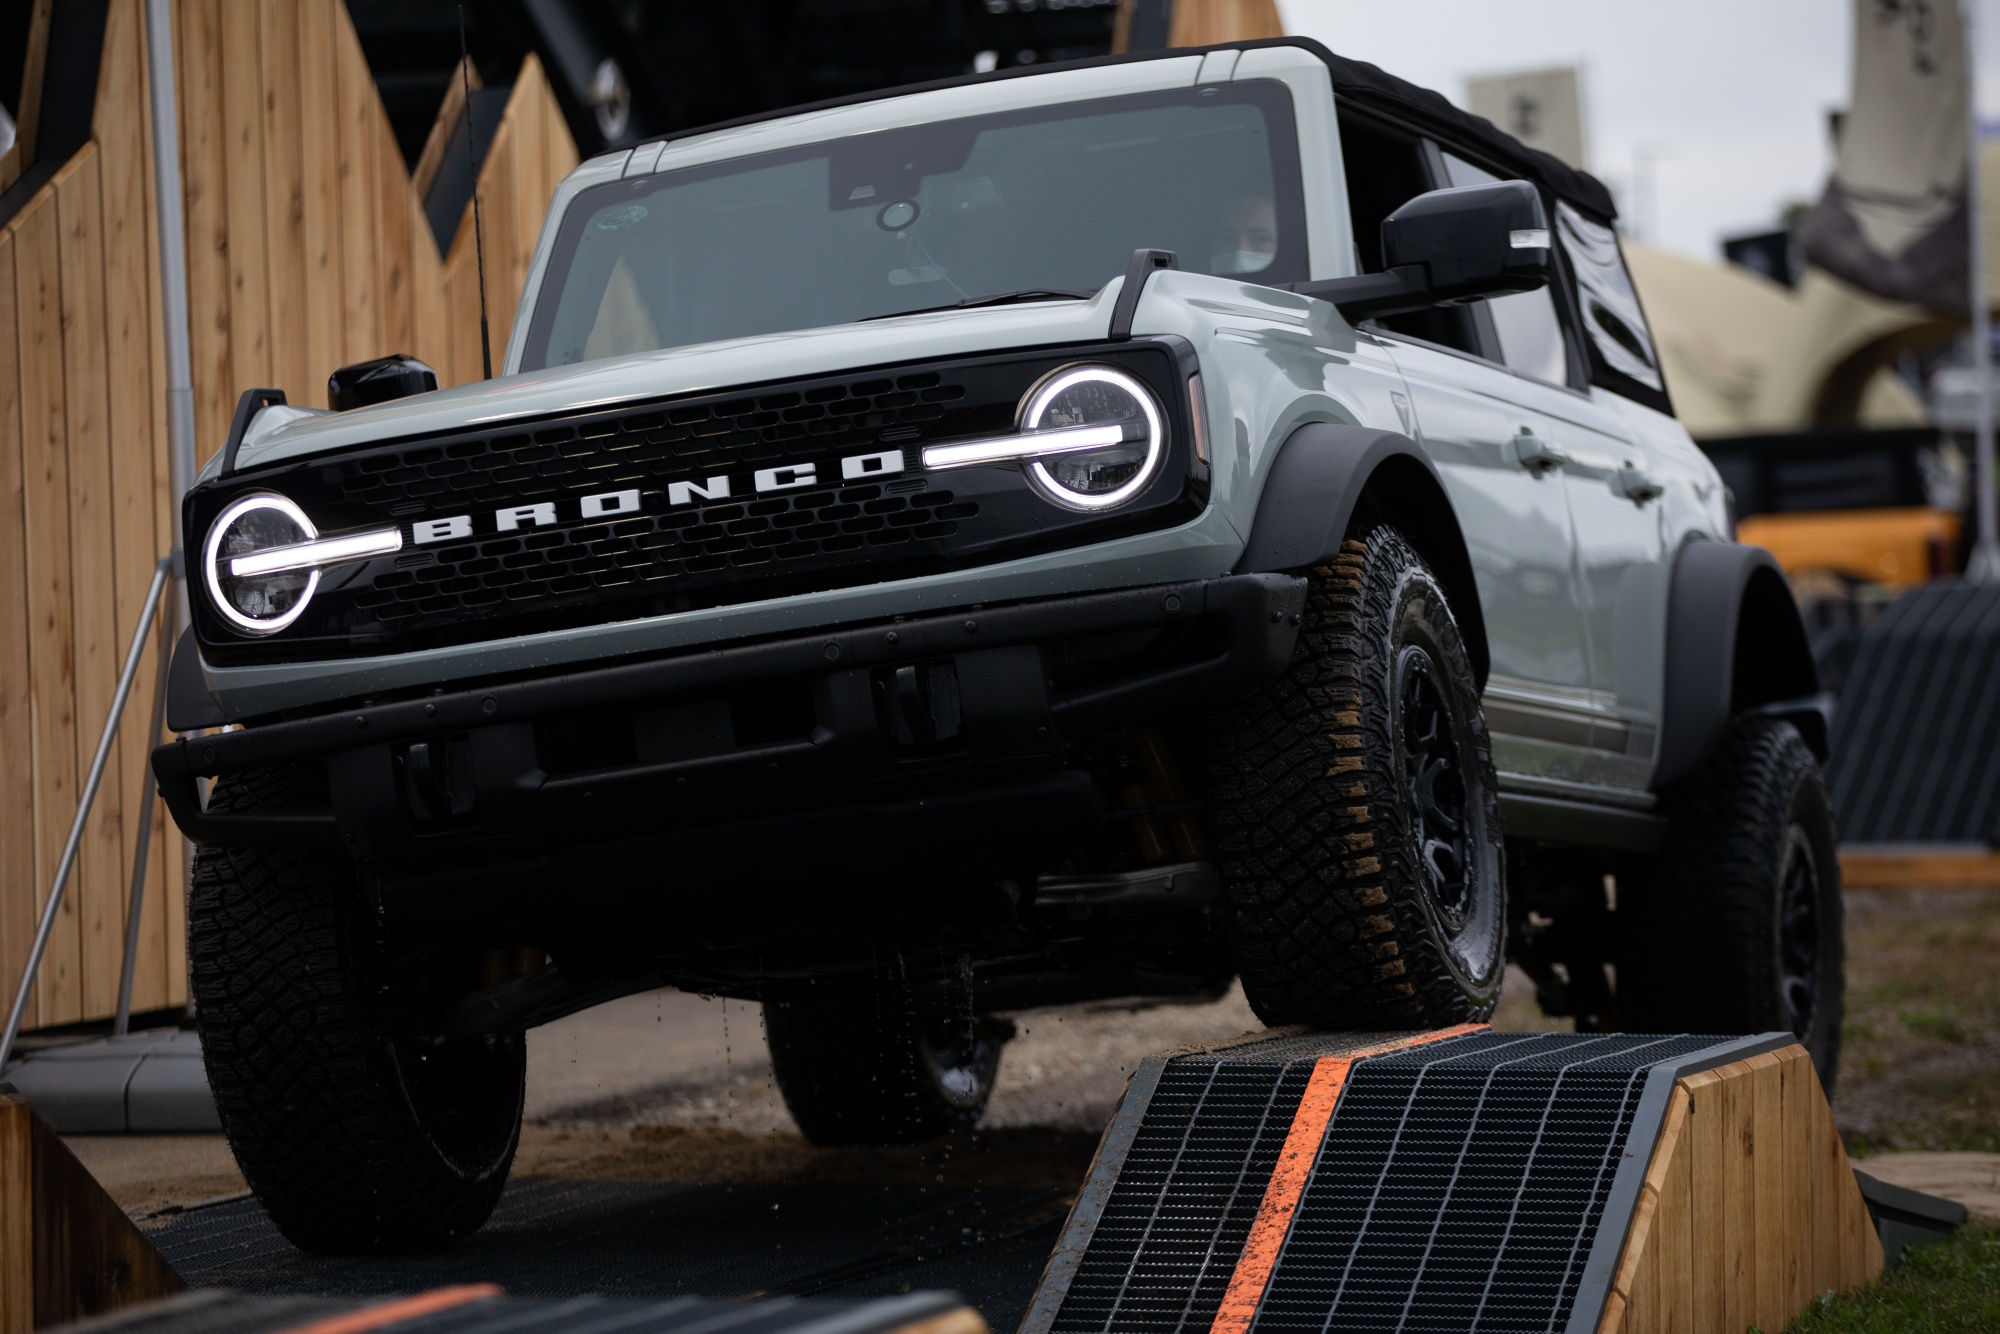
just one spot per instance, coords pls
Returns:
(354, 1139)
(861, 1061)
(1319, 840)
(1736, 926)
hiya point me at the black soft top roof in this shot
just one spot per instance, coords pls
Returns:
(1359, 81)
(1356, 80)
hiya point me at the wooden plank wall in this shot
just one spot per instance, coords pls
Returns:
(1749, 1210)
(307, 249)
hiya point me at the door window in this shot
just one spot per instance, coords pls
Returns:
(1525, 324)
(1385, 170)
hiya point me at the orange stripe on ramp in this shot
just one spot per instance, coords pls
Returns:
(1293, 1169)
(403, 1308)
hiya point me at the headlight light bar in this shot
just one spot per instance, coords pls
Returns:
(274, 562)
(1033, 444)
(318, 554)
(1007, 448)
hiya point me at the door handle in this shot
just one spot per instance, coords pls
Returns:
(1534, 453)
(1635, 484)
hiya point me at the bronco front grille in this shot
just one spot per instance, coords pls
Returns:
(663, 549)
(550, 459)
(664, 557)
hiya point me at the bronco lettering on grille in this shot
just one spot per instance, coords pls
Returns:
(609, 504)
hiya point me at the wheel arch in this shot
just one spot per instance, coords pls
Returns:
(1325, 475)
(1735, 644)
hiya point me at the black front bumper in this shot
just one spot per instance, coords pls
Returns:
(957, 718)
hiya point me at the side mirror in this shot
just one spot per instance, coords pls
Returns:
(1448, 247)
(378, 381)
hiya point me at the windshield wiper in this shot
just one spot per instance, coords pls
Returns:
(996, 299)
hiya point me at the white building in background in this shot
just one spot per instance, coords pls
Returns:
(1542, 108)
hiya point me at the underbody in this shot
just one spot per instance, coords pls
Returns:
(1011, 788)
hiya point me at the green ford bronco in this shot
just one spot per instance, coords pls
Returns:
(1084, 531)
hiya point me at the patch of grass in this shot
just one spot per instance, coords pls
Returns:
(1947, 1288)
(1920, 1065)
(1933, 1024)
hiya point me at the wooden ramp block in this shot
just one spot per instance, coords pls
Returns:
(1591, 1183)
(66, 1249)
(1749, 1208)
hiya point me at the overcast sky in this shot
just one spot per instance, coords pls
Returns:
(1731, 95)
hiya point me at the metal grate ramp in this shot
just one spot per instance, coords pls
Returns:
(1462, 1180)
(1916, 735)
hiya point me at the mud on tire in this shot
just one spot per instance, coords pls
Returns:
(1355, 810)
(353, 1138)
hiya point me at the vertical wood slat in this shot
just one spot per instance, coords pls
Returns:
(360, 213)
(17, 1195)
(45, 506)
(17, 798)
(320, 214)
(96, 885)
(136, 451)
(1799, 1087)
(394, 281)
(205, 183)
(285, 257)
(1773, 1230)
(1209, 22)
(243, 155)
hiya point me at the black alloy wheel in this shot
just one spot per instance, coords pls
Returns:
(1799, 933)
(1434, 786)
(1735, 927)
(869, 1059)
(1355, 812)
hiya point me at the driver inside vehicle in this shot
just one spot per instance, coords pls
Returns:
(1246, 236)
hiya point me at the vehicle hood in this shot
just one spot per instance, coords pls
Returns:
(280, 434)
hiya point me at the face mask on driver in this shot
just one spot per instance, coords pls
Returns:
(1239, 261)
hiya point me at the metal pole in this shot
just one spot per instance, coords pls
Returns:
(173, 265)
(167, 196)
(132, 657)
(122, 1024)
(1984, 567)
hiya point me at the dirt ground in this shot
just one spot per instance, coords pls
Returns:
(1921, 1064)
(668, 1086)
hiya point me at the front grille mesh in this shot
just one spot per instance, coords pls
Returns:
(658, 549)
(512, 467)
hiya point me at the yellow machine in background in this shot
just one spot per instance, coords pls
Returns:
(1896, 546)
(1849, 506)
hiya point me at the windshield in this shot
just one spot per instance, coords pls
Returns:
(1052, 198)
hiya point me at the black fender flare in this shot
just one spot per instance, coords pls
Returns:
(1735, 644)
(1324, 474)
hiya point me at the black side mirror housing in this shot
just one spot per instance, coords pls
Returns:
(1447, 247)
(378, 381)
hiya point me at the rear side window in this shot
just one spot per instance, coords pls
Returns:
(1620, 342)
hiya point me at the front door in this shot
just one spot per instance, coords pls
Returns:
(1503, 473)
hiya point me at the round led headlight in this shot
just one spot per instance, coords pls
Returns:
(259, 602)
(1103, 475)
